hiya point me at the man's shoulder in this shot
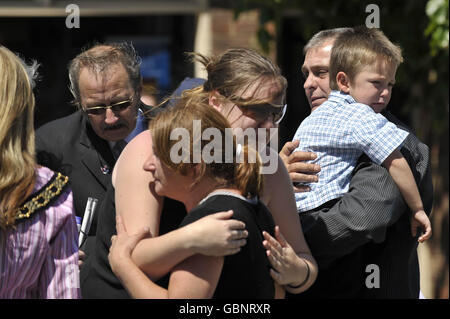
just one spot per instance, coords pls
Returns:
(61, 133)
(392, 118)
(67, 123)
(412, 142)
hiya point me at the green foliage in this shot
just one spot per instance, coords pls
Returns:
(437, 11)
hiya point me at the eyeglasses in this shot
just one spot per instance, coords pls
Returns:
(261, 112)
(116, 108)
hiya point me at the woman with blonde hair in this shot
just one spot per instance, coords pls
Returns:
(38, 233)
(223, 177)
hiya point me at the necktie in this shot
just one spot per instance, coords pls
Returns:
(118, 147)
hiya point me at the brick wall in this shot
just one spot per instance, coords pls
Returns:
(227, 32)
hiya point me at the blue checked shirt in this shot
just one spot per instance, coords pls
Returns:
(339, 131)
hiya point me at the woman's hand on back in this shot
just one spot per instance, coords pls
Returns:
(217, 235)
(287, 266)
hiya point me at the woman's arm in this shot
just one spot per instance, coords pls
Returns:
(135, 199)
(287, 265)
(213, 235)
(196, 277)
(279, 197)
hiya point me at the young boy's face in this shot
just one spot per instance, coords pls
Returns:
(373, 85)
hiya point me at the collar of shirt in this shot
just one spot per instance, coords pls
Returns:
(111, 144)
(141, 125)
(338, 96)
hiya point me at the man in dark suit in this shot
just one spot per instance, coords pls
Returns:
(362, 244)
(106, 84)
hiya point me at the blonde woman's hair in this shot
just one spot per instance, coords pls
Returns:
(17, 153)
(359, 47)
(243, 175)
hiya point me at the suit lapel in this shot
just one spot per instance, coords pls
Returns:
(96, 155)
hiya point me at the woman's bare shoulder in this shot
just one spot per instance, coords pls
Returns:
(133, 155)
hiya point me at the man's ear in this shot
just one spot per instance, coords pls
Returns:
(343, 82)
(215, 100)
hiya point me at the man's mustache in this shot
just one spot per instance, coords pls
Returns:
(114, 126)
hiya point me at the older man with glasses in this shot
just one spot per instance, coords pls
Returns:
(105, 81)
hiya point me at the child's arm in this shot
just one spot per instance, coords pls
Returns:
(403, 177)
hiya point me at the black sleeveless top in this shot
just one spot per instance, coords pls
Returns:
(245, 274)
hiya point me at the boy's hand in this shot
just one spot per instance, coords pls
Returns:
(420, 220)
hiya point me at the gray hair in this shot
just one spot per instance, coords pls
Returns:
(99, 59)
(31, 68)
(323, 36)
(32, 72)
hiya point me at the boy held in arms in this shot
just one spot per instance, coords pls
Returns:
(363, 64)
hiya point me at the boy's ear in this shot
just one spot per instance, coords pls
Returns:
(343, 82)
(215, 101)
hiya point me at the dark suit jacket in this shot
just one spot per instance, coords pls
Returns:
(69, 145)
(369, 225)
(396, 255)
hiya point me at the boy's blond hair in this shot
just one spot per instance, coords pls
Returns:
(359, 47)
